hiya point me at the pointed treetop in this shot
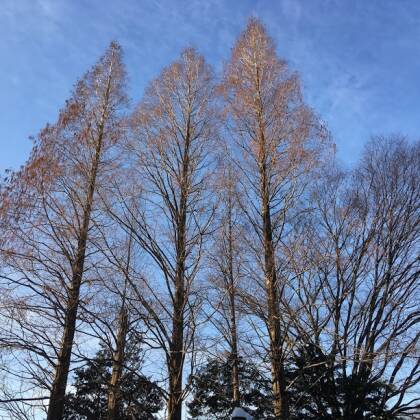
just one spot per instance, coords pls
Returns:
(254, 45)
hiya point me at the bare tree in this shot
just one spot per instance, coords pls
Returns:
(278, 139)
(118, 359)
(174, 133)
(357, 304)
(114, 314)
(46, 211)
(225, 264)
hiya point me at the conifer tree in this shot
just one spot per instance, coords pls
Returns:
(47, 209)
(278, 139)
(139, 397)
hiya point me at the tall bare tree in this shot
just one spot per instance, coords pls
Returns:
(225, 262)
(174, 133)
(357, 304)
(47, 210)
(278, 140)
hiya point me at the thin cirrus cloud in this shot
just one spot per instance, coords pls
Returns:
(358, 60)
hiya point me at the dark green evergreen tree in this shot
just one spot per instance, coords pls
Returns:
(318, 389)
(212, 391)
(141, 398)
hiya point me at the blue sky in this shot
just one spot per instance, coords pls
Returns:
(359, 60)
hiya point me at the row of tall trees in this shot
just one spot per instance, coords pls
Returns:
(206, 247)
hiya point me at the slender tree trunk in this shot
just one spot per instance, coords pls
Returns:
(236, 397)
(277, 368)
(56, 405)
(176, 362)
(58, 390)
(175, 124)
(114, 393)
(270, 272)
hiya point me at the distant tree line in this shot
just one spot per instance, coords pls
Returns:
(204, 250)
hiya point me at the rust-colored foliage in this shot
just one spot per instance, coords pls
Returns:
(46, 210)
(279, 139)
(264, 100)
(175, 129)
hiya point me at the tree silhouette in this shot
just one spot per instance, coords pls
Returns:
(213, 393)
(139, 399)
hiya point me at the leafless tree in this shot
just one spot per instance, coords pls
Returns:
(278, 140)
(47, 209)
(358, 303)
(171, 155)
(225, 266)
(127, 304)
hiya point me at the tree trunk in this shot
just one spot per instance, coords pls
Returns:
(274, 328)
(56, 404)
(277, 370)
(114, 392)
(58, 390)
(176, 362)
(175, 376)
(236, 397)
